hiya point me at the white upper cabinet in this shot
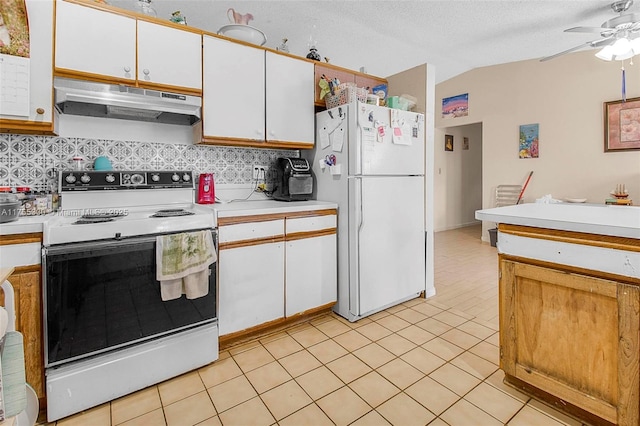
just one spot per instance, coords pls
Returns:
(39, 118)
(289, 99)
(169, 56)
(233, 91)
(96, 42)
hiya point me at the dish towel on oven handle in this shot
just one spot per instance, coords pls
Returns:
(182, 264)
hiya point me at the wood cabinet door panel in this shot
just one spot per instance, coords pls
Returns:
(573, 336)
(93, 41)
(28, 308)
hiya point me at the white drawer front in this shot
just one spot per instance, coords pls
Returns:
(251, 230)
(20, 254)
(312, 223)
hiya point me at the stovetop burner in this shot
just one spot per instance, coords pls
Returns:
(87, 220)
(171, 213)
(99, 215)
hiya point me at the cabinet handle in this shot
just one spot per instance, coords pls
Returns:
(127, 69)
(145, 71)
(40, 111)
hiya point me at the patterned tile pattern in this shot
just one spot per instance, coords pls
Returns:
(34, 160)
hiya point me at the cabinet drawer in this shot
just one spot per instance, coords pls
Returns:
(312, 223)
(251, 231)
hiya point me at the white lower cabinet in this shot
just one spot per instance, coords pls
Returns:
(251, 268)
(251, 290)
(311, 279)
(267, 273)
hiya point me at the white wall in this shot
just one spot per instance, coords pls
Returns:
(565, 96)
(458, 177)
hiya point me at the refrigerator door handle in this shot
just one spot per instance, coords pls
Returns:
(359, 201)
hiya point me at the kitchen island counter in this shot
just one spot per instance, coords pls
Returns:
(620, 221)
(569, 306)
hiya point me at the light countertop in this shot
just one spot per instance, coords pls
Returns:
(24, 225)
(246, 208)
(620, 221)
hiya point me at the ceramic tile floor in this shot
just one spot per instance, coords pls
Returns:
(431, 361)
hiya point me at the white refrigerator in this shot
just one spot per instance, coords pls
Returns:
(370, 160)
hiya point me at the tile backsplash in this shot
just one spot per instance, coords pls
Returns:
(33, 161)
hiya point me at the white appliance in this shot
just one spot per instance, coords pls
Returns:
(370, 160)
(107, 332)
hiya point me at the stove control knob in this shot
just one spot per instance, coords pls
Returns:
(175, 177)
(155, 177)
(186, 177)
(137, 179)
(70, 178)
(85, 178)
(110, 178)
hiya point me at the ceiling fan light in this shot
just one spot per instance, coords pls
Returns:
(635, 45)
(606, 54)
(626, 55)
(621, 46)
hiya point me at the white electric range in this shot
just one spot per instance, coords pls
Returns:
(107, 330)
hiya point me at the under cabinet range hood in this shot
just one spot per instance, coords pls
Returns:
(86, 98)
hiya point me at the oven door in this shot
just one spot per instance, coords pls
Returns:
(104, 295)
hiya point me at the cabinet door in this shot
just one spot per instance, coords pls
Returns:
(95, 42)
(28, 308)
(233, 92)
(169, 56)
(40, 114)
(311, 278)
(572, 335)
(289, 99)
(251, 290)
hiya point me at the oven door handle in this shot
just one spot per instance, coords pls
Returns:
(113, 243)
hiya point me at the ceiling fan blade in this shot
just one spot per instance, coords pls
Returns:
(595, 43)
(586, 30)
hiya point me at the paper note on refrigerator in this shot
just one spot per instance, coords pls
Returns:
(324, 137)
(337, 139)
(368, 134)
(401, 136)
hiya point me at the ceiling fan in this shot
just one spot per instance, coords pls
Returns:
(618, 31)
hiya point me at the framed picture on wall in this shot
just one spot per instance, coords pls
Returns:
(448, 142)
(465, 143)
(622, 125)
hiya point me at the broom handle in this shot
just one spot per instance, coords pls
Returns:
(523, 188)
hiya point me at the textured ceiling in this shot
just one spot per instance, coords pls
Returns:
(386, 37)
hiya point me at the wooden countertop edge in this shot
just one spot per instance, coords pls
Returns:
(28, 237)
(233, 220)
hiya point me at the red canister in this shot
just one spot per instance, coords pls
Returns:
(206, 192)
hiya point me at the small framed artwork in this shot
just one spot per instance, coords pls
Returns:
(529, 141)
(622, 125)
(465, 143)
(455, 106)
(448, 142)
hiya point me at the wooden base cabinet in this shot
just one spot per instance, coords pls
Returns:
(573, 336)
(28, 302)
